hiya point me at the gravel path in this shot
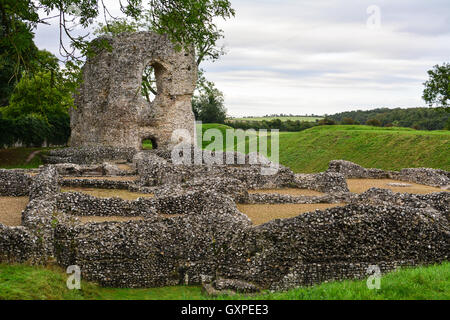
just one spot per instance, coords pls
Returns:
(11, 210)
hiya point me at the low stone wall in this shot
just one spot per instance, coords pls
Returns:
(314, 273)
(341, 235)
(222, 186)
(192, 231)
(273, 198)
(430, 177)
(333, 244)
(18, 245)
(100, 183)
(327, 182)
(154, 170)
(352, 170)
(425, 176)
(14, 183)
(45, 184)
(79, 204)
(89, 155)
(104, 169)
(433, 203)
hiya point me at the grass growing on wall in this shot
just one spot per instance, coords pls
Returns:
(27, 282)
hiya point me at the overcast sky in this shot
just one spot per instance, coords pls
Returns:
(321, 57)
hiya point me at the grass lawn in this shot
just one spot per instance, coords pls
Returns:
(311, 150)
(373, 147)
(26, 282)
(17, 158)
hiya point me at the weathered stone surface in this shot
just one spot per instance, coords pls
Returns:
(426, 176)
(238, 286)
(327, 182)
(14, 183)
(192, 231)
(110, 110)
(89, 155)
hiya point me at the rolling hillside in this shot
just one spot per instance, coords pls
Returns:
(37, 282)
(374, 147)
(311, 150)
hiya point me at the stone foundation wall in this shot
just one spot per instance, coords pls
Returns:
(327, 182)
(18, 245)
(99, 183)
(426, 176)
(89, 155)
(332, 244)
(14, 183)
(193, 231)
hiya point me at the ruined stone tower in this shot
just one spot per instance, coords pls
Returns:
(110, 110)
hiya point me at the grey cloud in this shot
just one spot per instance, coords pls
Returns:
(317, 56)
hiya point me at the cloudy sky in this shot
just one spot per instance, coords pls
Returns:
(323, 56)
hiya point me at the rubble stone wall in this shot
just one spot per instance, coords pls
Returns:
(426, 176)
(14, 183)
(195, 233)
(110, 109)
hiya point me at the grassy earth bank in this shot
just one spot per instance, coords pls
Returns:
(27, 282)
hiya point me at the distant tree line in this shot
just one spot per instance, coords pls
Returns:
(288, 125)
(417, 118)
(284, 115)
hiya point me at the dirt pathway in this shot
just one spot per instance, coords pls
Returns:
(32, 155)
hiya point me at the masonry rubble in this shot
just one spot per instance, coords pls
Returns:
(192, 230)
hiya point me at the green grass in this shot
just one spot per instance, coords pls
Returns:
(372, 147)
(16, 158)
(312, 149)
(308, 119)
(147, 145)
(27, 282)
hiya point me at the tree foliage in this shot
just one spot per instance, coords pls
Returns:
(288, 125)
(208, 106)
(186, 22)
(39, 94)
(17, 51)
(420, 118)
(437, 87)
(33, 130)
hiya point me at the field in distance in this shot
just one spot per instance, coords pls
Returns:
(293, 118)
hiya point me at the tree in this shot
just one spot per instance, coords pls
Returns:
(326, 122)
(208, 106)
(40, 94)
(347, 121)
(186, 22)
(374, 122)
(437, 87)
(17, 51)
